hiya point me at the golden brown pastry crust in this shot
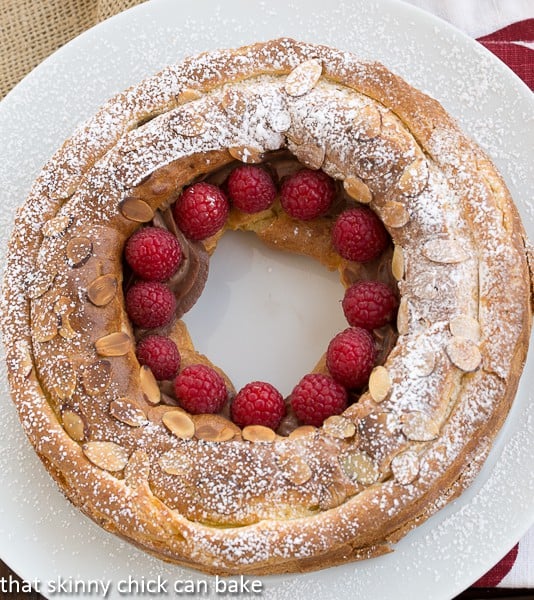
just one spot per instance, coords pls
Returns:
(296, 503)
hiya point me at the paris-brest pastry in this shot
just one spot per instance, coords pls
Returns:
(208, 490)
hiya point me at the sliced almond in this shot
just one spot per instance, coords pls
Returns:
(102, 290)
(188, 95)
(465, 326)
(188, 123)
(379, 383)
(137, 210)
(357, 189)
(64, 378)
(414, 178)
(359, 467)
(422, 361)
(310, 155)
(57, 225)
(403, 316)
(25, 359)
(149, 386)
(419, 427)
(63, 306)
(302, 431)
(106, 455)
(45, 326)
(424, 285)
(137, 470)
(303, 78)
(279, 120)
(405, 467)
(96, 377)
(246, 154)
(236, 102)
(114, 344)
(40, 283)
(368, 123)
(464, 353)
(179, 423)
(78, 251)
(258, 433)
(397, 263)
(394, 214)
(125, 411)
(175, 462)
(65, 330)
(444, 250)
(73, 424)
(334, 495)
(339, 427)
(214, 428)
(294, 468)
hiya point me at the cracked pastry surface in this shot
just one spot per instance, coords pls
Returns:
(195, 489)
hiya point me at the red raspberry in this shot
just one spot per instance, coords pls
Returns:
(358, 234)
(160, 354)
(153, 253)
(201, 210)
(307, 194)
(150, 304)
(351, 356)
(251, 188)
(200, 389)
(317, 397)
(369, 304)
(258, 403)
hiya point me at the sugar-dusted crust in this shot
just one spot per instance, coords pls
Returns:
(295, 503)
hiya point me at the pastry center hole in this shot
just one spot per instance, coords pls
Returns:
(265, 314)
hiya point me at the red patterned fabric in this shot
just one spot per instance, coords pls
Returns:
(499, 571)
(510, 45)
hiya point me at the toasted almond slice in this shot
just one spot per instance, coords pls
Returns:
(102, 290)
(234, 101)
(359, 467)
(333, 496)
(310, 155)
(135, 209)
(279, 120)
(96, 377)
(73, 424)
(414, 178)
(258, 433)
(40, 283)
(179, 423)
(339, 427)
(214, 428)
(304, 77)
(188, 123)
(423, 361)
(175, 462)
(45, 326)
(149, 386)
(65, 330)
(125, 411)
(395, 214)
(106, 455)
(397, 263)
(302, 431)
(379, 383)
(357, 189)
(405, 467)
(419, 427)
(25, 359)
(403, 316)
(137, 470)
(368, 123)
(444, 250)
(114, 344)
(78, 251)
(424, 286)
(64, 377)
(294, 468)
(465, 326)
(188, 95)
(464, 353)
(246, 154)
(57, 225)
